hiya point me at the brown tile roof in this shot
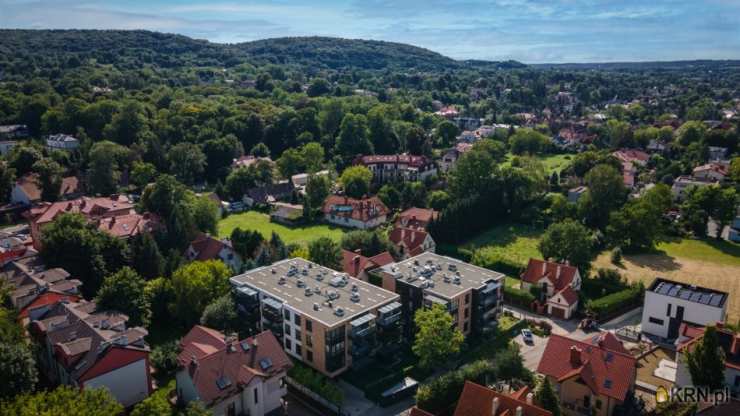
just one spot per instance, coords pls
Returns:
(29, 184)
(358, 209)
(559, 275)
(211, 361)
(570, 295)
(206, 247)
(729, 341)
(606, 372)
(607, 340)
(631, 155)
(354, 263)
(411, 238)
(92, 208)
(416, 217)
(477, 400)
(125, 226)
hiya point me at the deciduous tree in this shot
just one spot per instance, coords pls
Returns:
(436, 338)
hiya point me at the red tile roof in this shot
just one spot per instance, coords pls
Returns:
(477, 400)
(404, 159)
(210, 360)
(206, 247)
(607, 340)
(125, 226)
(358, 209)
(606, 372)
(29, 184)
(559, 275)
(89, 207)
(354, 263)
(416, 217)
(415, 411)
(631, 155)
(411, 238)
(569, 295)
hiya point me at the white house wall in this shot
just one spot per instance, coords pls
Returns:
(128, 384)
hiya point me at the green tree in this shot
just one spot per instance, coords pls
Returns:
(290, 163)
(187, 162)
(246, 242)
(606, 192)
(546, 398)
(220, 153)
(143, 173)
(436, 338)
(195, 286)
(318, 188)
(390, 195)
(690, 132)
(706, 361)
(567, 241)
(221, 314)
(735, 170)
(162, 196)
(446, 133)
(63, 400)
(639, 223)
(318, 86)
(18, 369)
(145, 256)
(527, 140)
(438, 200)
(128, 125)
(473, 172)
(49, 178)
(7, 180)
(370, 243)
(353, 137)
(313, 156)
(205, 213)
(106, 161)
(154, 405)
(325, 252)
(356, 180)
(619, 133)
(22, 158)
(123, 291)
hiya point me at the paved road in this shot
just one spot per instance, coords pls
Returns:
(531, 353)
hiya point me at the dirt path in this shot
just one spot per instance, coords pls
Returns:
(646, 267)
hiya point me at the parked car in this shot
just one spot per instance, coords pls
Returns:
(527, 336)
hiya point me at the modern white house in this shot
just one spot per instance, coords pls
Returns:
(229, 376)
(62, 142)
(668, 304)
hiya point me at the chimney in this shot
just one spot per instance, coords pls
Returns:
(358, 251)
(557, 273)
(518, 411)
(530, 397)
(544, 267)
(356, 260)
(494, 408)
(403, 233)
(575, 355)
(193, 363)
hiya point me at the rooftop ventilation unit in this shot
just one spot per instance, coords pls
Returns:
(354, 297)
(301, 283)
(316, 290)
(332, 295)
(339, 311)
(308, 292)
(304, 272)
(319, 277)
(456, 280)
(316, 306)
(446, 278)
(310, 265)
(273, 271)
(281, 281)
(354, 288)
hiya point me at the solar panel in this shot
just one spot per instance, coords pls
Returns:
(695, 296)
(245, 345)
(705, 298)
(265, 363)
(674, 290)
(716, 299)
(663, 288)
(685, 294)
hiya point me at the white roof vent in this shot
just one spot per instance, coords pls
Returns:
(354, 297)
(316, 306)
(339, 311)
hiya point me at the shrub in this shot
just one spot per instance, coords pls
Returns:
(443, 391)
(317, 383)
(605, 306)
(164, 358)
(518, 297)
(617, 255)
(493, 258)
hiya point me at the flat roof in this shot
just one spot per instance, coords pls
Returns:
(449, 277)
(321, 282)
(690, 293)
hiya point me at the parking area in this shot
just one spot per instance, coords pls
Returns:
(531, 352)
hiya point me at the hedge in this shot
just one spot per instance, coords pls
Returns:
(615, 302)
(518, 297)
(317, 383)
(454, 251)
(440, 393)
(491, 258)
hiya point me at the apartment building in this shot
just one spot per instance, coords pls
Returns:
(325, 318)
(471, 294)
(668, 304)
(402, 167)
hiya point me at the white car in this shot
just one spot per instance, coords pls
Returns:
(527, 336)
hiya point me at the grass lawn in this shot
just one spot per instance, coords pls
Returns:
(512, 282)
(552, 163)
(253, 220)
(515, 242)
(709, 250)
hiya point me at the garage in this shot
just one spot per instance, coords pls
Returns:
(557, 312)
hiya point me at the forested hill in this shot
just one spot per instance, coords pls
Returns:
(130, 48)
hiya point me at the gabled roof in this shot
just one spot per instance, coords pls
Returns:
(29, 184)
(221, 367)
(358, 209)
(354, 263)
(267, 193)
(405, 159)
(477, 400)
(729, 341)
(416, 217)
(411, 238)
(559, 275)
(631, 155)
(569, 295)
(206, 247)
(607, 340)
(89, 207)
(125, 226)
(606, 372)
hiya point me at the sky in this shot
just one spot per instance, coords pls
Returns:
(530, 31)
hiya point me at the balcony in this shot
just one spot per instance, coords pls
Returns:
(362, 326)
(389, 315)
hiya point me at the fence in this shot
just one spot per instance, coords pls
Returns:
(327, 405)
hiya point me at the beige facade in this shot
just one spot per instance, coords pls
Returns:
(577, 399)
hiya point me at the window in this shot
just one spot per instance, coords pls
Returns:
(309, 326)
(309, 342)
(309, 356)
(297, 335)
(598, 404)
(283, 383)
(655, 321)
(256, 396)
(668, 311)
(298, 349)
(297, 319)
(287, 330)
(288, 344)
(467, 298)
(286, 314)
(465, 327)
(467, 312)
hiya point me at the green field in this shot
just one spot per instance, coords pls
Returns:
(552, 163)
(720, 252)
(252, 220)
(516, 242)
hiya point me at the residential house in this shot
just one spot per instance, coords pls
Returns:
(717, 153)
(450, 157)
(448, 112)
(575, 194)
(416, 217)
(355, 213)
(607, 341)
(477, 400)
(560, 284)
(15, 242)
(98, 210)
(326, 319)
(634, 156)
(62, 142)
(589, 379)
(729, 341)
(471, 294)
(300, 180)
(656, 146)
(401, 167)
(6, 146)
(14, 131)
(285, 213)
(248, 160)
(411, 241)
(87, 348)
(467, 123)
(468, 136)
(34, 289)
(711, 172)
(206, 247)
(668, 304)
(232, 377)
(264, 195)
(26, 190)
(682, 183)
(359, 266)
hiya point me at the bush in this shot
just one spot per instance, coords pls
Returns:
(317, 383)
(518, 297)
(164, 358)
(442, 392)
(492, 258)
(617, 255)
(605, 306)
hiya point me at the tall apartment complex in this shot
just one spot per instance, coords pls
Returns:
(472, 295)
(325, 318)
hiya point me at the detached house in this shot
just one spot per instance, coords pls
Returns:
(560, 284)
(729, 341)
(62, 142)
(589, 378)
(359, 266)
(355, 213)
(26, 190)
(477, 400)
(412, 241)
(416, 217)
(402, 167)
(84, 348)
(206, 247)
(229, 376)
(711, 172)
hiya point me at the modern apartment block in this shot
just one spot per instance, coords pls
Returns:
(472, 294)
(668, 304)
(325, 318)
